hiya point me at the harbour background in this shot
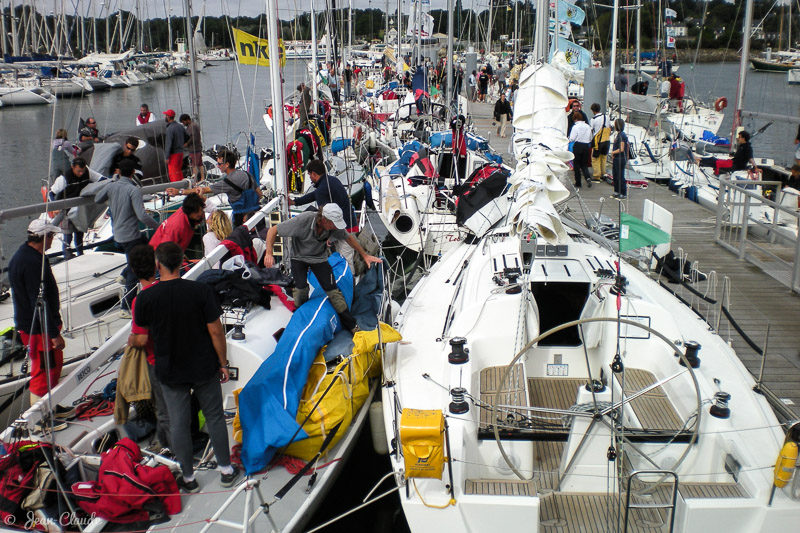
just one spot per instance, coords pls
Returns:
(232, 99)
(231, 105)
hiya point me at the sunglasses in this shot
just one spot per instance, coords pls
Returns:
(91, 123)
(131, 148)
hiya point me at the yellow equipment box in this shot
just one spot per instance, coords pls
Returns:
(422, 438)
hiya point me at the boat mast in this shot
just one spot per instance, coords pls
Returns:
(489, 29)
(194, 87)
(638, 40)
(516, 31)
(276, 91)
(349, 31)
(540, 44)
(399, 61)
(748, 24)
(94, 29)
(3, 34)
(614, 30)
(450, 94)
(315, 68)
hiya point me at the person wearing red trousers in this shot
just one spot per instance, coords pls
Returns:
(173, 146)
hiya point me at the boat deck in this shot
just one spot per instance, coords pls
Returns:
(653, 408)
(755, 299)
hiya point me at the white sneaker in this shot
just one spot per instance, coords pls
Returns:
(124, 313)
(120, 280)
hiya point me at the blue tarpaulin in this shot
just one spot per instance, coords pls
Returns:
(405, 153)
(268, 403)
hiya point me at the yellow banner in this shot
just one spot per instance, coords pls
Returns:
(254, 51)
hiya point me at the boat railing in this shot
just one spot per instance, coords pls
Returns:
(753, 226)
(57, 205)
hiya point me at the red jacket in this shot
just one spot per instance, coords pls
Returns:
(124, 486)
(17, 477)
(177, 228)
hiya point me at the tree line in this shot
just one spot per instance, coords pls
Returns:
(716, 24)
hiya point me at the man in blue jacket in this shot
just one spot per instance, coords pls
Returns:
(328, 189)
(39, 327)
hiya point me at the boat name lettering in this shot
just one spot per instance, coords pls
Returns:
(82, 374)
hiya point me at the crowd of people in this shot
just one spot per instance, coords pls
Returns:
(176, 321)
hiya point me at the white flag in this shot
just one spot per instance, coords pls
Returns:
(670, 13)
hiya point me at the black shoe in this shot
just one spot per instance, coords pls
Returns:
(227, 480)
(45, 426)
(622, 196)
(615, 195)
(188, 486)
(589, 183)
(64, 413)
(577, 185)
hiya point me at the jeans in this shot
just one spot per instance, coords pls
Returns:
(130, 278)
(179, 406)
(324, 274)
(618, 171)
(74, 237)
(162, 415)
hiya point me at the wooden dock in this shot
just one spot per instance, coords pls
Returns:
(755, 299)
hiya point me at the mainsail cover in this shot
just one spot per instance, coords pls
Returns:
(268, 403)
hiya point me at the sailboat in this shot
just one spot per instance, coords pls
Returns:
(547, 384)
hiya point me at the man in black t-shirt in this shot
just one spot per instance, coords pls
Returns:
(182, 317)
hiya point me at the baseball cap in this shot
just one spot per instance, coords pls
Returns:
(334, 213)
(42, 227)
(170, 113)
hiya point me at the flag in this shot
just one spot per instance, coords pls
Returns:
(254, 51)
(427, 24)
(670, 13)
(670, 42)
(570, 13)
(635, 233)
(577, 57)
(564, 28)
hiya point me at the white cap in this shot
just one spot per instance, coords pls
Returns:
(333, 213)
(41, 228)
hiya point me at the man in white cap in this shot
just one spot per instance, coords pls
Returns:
(39, 328)
(310, 232)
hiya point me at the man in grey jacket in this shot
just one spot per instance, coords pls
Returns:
(127, 210)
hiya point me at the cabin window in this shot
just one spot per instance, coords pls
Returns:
(560, 303)
(99, 307)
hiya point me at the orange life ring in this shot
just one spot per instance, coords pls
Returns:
(269, 111)
(721, 103)
(51, 214)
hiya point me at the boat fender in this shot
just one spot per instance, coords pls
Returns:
(721, 103)
(379, 443)
(784, 467)
(373, 141)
